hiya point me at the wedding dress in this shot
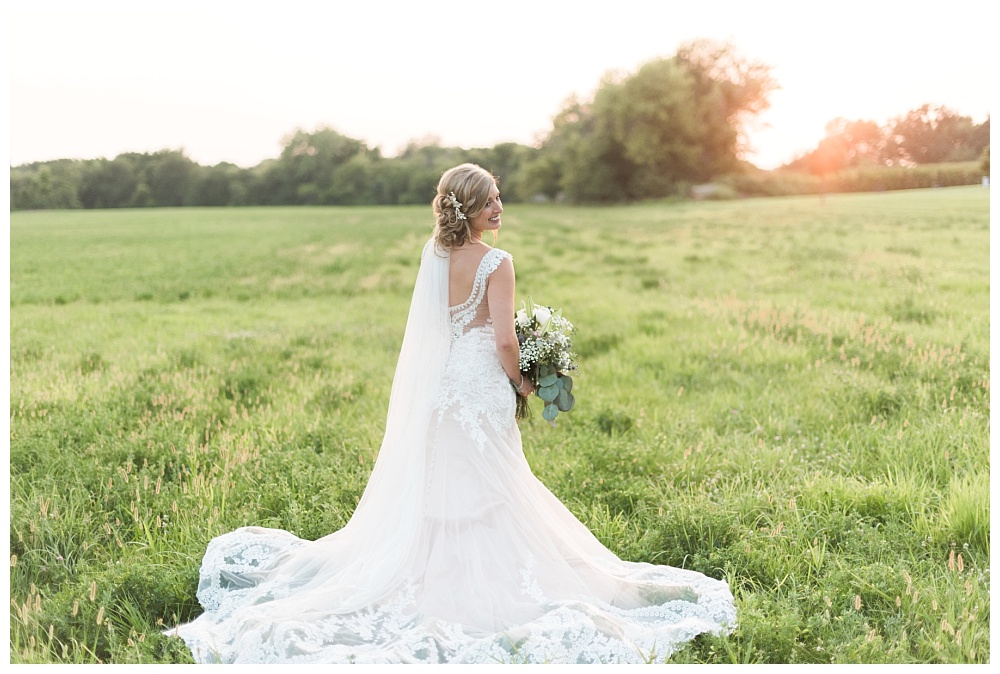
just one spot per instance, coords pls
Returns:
(456, 552)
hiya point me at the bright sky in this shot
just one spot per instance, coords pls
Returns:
(226, 80)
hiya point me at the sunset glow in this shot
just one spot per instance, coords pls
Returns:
(226, 82)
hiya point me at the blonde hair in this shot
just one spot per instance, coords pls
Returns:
(471, 185)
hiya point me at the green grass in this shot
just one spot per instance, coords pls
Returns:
(790, 393)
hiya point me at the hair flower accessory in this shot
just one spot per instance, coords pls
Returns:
(458, 206)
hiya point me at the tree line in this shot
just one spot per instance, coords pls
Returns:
(322, 167)
(925, 135)
(673, 123)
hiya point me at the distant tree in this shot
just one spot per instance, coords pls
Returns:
(109, 183)
(304, 171)
(419, 168)
(929, 135)
(352, 181)
(163, 178)
(592, 165)
(849, 144)
(265, 184)
(544, 172)
(169, 175)
(540, 176)
(730, 90)
(655, 131)
(864, 142)
(224, 184)
(979, 137)
(644, 135)
(924, 135)
(51, 184)
(984, 161)
(506, 161)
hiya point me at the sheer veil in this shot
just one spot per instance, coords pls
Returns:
(392, 503)
(370, 557)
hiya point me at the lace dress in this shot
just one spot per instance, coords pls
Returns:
(493, 567)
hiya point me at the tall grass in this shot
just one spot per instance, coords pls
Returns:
(789, 393)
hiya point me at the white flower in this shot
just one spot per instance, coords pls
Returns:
(521, 318)
(542, 314)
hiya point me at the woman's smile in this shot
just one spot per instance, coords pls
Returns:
(489, 218)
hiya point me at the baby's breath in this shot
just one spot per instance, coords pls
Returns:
(548, 343)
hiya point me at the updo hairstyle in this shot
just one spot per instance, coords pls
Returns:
(471, 185)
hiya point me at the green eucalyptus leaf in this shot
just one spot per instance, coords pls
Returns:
(567, 382)
(559, 383)
(550, 412)
(565, 401)
(562, 400)
(547, 380)
(548, 393)
(568, 404)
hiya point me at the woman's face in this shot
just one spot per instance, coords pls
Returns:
(489, 218)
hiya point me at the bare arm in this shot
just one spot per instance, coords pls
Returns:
(500, 296)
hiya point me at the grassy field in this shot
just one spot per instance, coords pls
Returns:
(791, 393)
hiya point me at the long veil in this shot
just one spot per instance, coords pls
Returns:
(385, 525)
(386, 522)
(366, 561)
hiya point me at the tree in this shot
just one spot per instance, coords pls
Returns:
(51, 184)
(304, 172)
(224, 184)
(849, 144)
(984, 161)
(419, 167)
(658, 131)
(169, 175)
(352, 181)
(731, 90)
(979, 137)
(924, 135)
(645, 135)
(929, 135)
(109, 183)
(505, 160)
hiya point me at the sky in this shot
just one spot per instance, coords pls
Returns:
(226, 81)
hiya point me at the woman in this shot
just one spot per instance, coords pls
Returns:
(456, 552)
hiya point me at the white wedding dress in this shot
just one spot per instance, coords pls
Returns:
(456, 552)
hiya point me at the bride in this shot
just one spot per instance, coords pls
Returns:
(456, 552)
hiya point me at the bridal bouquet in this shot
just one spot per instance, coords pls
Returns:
(546, 340)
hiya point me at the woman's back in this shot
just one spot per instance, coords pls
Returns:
(462, 271)
(468, 278)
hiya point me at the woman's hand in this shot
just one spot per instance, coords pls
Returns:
(525, 389)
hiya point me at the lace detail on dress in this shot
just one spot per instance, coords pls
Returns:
(589, 630)
(582, 630)
(475, 389)
(463, 314)
(231, 563)
(529, 584)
